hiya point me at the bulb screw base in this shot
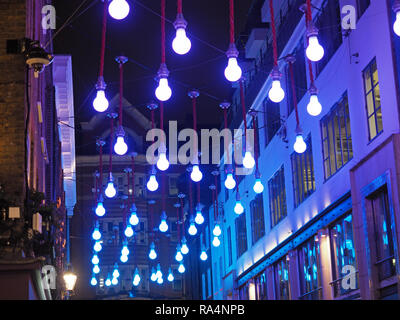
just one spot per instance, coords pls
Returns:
(152, 106)
(313, 91)
(232, 51)
(163, 72)
(193, 94)
(120, 132)
(112, 115)
(396, 6)
(121, 60)
(276, 74)
(299, 131)
(225, 105)
(180, 22)
(100, 142)
(101, 85)
(312, 30)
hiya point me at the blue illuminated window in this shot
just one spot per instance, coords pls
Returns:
(281, 278)
(257, 218)
(241, 234)
(229, 235)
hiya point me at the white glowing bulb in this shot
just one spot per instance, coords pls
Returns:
(230, 183)
(120, 146)
(276, 93)
(110, 191)
(100, 103)
(100, 211)
(95, 259)
(115, 273)
(96, 235)
(96, 269)
(217, 230)
(136, 278)
(114, 281)
(233, 72)
(129, 231)
(152, 253)
(181, 44)
(125, 250)
(314, 107)
(153, 276)
(196, 174)
(108, 282)
(258, 186)
(170, 276)
(192, 229)
(300, 146)
(163, 163)
(238, 208)
(163, 227)
(133, 219)
(248, 160)
(119, 9)
(315, 51)
(184, 248)
(152, 184)
(163, 91)
(93, 282)
(181, 268)
(97, 246)
(160, 280)
(396, 25)
(199, 219)
(178, 256)
(216, 242)
(123, 258)
(159, 273)
(203, 256)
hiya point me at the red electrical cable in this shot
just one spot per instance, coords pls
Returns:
(190, 196)
(121, 91)
(163, 192)
(294, 92)
(273, 27)
(151, 221)
(213, 200)
(101, 167)
(255, 143)
(111, 141)
(103, 39)
(96, 187)
(194, 113)
(128, 178)
(216, 193)
(232, 21)
(243, 112)
(177, 223)
(198, 193)
(163, 31)
(179, 5)
(162, 115)
(309, 13)
(182, 214)
(133, 180)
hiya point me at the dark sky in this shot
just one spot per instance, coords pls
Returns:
(138, 37)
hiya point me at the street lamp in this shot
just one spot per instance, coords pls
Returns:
(69, 279)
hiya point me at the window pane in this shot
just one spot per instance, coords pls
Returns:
(372, 127)
(370, 104)
(367, 81)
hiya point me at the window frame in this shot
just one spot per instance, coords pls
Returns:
(274, 200)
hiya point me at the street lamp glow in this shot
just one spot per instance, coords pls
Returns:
(216, 242)
(315, 52)
(199, 219)
(95, 259)
(152, 184)
(128, 231)
(300, 146)
(100, 103)
(230, 183)
(133, 219)
(163, 91)
(152, 253)
(203, 256)
(110, 191)
(70, 280)
(163, 163)
(163, 227)
(233, 72)
(258, 186)
(181, 43)
(100, 211)
(97, 246)
(248, 160)
(196, 174)
(217, 230)
(96, 235)
(239, 209)
(120, 146)
(276, 93)
(181, 268)
(314, 107)
(119, 9)
(192, 229)
(96, 269)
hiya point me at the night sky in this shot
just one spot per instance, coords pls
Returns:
(138, 37)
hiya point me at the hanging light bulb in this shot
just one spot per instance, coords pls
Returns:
(258, 186)
(152, 253)
(276, 93)
(230, 182)
(178, 256)
(192, 228)
(238, 207)
(114, 281)
(133, 219)
(170, 275)
(181, 268)
(97, 246)
(120, 146)
(96, 235)
(152, 184)
(93, 281)
(153, 276)
(314, 107)
(95, 259)
(163, 227)
(315, 52)
(163, 91)
(248, 160)
(96, 269)
(396, 25)
(217, 230)
(196, 174)
(203, 256)
(300, 146)
(233, 72)
(115, 273)
(199, 219)
(119, 9)
(136, 278)
(160, 280)
(108, 281)
(100, 211)
(123, 258)
(125, 250)
(184, 247)
(163, 163)
(110, 191)
(181, 44)
(100, 103)
(128, 231)
(216, 242)
(158, 273)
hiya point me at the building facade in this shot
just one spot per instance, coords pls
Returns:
(327, 224)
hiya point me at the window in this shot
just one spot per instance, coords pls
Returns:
(300, 77)
(272, 119)
(303, 174)
(229, 246)
(256, 136)
(277, 197)
(336, 137)
(173, 186)
(309, 270)
(373, 100)
(257, 218)
(244, 292)
(382, 229)
(209, 287)
(241, 235)
(362, 5)
(260, 282)
(329, 23)
(343, 253)
(281, 278)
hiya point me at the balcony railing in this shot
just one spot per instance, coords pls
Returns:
(315, 294)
